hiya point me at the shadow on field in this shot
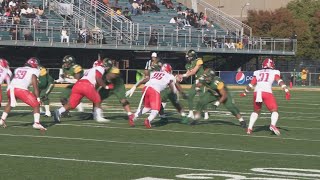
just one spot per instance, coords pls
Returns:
(266, 128)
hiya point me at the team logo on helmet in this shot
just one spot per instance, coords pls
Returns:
(167, 68)
(240, 78)
(268, 64)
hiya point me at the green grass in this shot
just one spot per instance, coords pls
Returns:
(84, 149)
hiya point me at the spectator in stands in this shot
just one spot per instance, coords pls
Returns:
(64, 35)
(127, 13)
(12, 3)
(154, 6)
(106, 3)
(239, 45)
(27, 34)
(168, 4)
(179, 8)
(16, 19)
(153, 37)
(30, 12)
(7, 13)
(40, 12)
(136, 8)
(146, 6)
(84, 35)
(178, 24)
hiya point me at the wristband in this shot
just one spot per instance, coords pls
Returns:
(184, 75)
(217, 103)
(283, 86)
(38, 99)
(107, 87)
(286, 90)
(250, 85)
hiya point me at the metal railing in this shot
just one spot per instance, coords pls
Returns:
(224, 20)
(110, 19)
(168, 41)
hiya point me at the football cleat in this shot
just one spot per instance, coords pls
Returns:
(243, 124)
(206, 116)
(102, 120)
(39, 126)
(3, 123)
(275, 130)
(56, 116)
(249, 131)
(47, 114)
(131, 120)
(147, 124)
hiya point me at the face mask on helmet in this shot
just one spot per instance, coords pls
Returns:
(191, 55)
(33, 62)
(209, 75)
(68, 61)
(268, 64)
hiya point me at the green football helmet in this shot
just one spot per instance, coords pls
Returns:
(208, 75)
(191, 55)
(107, 63)
(68, 61)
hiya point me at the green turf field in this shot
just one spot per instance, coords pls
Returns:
(215, 149)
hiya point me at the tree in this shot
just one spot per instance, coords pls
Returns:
(282, 23)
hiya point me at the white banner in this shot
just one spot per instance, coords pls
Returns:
(65, 9)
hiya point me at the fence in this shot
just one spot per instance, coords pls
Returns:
(129, 77)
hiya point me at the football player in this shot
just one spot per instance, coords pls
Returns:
(158, 81)
(262, 84)
(85, 87)
(71, 73)
(18, 88)
(46, 84)
(5, 74)
(166, 95)
(217, 93)
(116, 87)
(194, 66)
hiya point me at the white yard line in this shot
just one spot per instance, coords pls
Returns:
(96, 125)
(165, 145)
(139, 165)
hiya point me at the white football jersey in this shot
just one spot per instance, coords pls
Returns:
(23, 77)
(4, 73)
(90, 74)
(159, 80)
(265, 79)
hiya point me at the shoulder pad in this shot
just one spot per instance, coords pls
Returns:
(77, 68)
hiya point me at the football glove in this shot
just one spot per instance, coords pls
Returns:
(130, 92)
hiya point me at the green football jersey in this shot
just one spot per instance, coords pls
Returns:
(215, 85)
(189, 66)
(74, 69)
